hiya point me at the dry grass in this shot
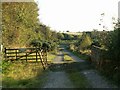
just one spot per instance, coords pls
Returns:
(19, 74)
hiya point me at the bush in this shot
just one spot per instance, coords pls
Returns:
(86, 42)
(47, 45)
(36, 43)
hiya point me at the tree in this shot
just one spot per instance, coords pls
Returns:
(114, 43)
(60, 36)
(19, 21)
(100, 38)
(85, 42)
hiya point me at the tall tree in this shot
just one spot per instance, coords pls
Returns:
(19, 21)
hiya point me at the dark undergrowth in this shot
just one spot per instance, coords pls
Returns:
(111, 73)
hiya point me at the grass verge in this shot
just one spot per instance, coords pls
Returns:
(22, 75)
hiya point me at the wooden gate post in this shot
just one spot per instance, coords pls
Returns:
(36, 54)
(40, 55)
(5, 54)
(16, 54)
(46, 57)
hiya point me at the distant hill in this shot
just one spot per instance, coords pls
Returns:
(74, 33)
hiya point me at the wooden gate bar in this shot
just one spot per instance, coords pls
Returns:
(27, 54)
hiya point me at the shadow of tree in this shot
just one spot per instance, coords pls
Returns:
(71, 65)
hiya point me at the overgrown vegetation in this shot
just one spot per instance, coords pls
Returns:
(112, 69)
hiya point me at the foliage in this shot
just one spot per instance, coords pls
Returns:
(47, 45)
(114, 45)
(86, 42)
(72, 47)
(100, 38)
(82, 45)
(36, 43)
(111, 42)
(19, 21)
(60, 36)
(21, 26)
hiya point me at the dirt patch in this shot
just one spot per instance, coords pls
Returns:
(58, 80)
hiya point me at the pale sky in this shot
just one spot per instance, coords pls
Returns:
(77, 15)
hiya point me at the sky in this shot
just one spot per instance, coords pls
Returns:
(77, 15)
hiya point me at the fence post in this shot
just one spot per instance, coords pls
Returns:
(46, 57)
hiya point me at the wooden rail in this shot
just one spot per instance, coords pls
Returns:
(27, 54)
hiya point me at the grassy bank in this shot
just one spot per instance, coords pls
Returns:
(22, 75)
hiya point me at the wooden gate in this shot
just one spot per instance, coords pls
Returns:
(27, 54)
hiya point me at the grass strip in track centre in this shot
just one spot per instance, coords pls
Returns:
(78, 79)
(67, 58)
